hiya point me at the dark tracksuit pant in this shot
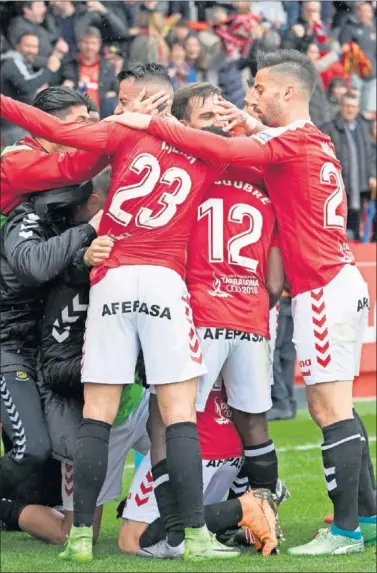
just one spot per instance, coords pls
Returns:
(24, 424)
(284, 360)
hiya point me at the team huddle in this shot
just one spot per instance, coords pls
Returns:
(188, 246)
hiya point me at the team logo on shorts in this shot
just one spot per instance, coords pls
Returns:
(21, 375)
(223, 412)
(217, 288)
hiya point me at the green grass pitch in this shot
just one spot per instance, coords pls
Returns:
(300, 516)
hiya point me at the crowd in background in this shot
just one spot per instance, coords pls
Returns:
(86, 44)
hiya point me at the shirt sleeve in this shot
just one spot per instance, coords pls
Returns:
(27, 171)
(250, 175)
(36, 258)
(103, 136)
(209, 147)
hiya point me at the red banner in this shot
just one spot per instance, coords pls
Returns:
(365, 384)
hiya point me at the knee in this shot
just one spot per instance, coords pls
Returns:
(128, 541)
(326, 414)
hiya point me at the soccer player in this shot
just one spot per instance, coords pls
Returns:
(330, 297)
(142, 531)
(234, 275)
(34, 164)
(244, 362)
(138, 297)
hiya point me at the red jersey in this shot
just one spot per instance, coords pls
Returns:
(155, 188)
(304, 181)
(228, 255)
(26, 168)
(218, 436)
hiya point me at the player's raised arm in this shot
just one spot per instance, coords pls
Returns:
(27, 171)
(88, 137)
(209, 147)
(243, 151)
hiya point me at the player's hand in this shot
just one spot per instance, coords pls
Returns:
(95, 221)
(129, 119)
(229, 114)
(99, 251)
(153, 105)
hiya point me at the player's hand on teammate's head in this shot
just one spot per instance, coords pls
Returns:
(99, 251)
(230, 116)
(131, 119)
(155, 104)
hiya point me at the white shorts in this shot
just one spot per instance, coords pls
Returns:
(329, 325)
(244, 362)
(132, 434)
(145, 306)
(141, 505)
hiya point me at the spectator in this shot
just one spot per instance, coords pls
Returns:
(180, 32)
(272, 12)
(196, 57)
(293, 12)
(180, 72)
(92, 74)
(349, 132)
(30, 20)
(362, 31)
(150, 45)
(308, 29)
(116, 57)
(344, 9)
(73, 19)
(320, 109)
(22, 80)
(336, 90)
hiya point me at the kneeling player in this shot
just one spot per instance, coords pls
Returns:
(143, 532)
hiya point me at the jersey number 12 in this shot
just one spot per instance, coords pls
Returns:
(214, 210)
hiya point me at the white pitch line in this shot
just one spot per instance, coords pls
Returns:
(303, 448)
(306, 447)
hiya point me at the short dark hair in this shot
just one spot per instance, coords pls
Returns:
(290, 62)
(23, 35)
(22, 5)
(57, 100)
(143, 72)
(183, 96)
(102, 181)
(349, 95)
(92, 32)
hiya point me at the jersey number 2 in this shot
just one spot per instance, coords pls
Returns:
(214, 210)
(330, 175)
(149, 165)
